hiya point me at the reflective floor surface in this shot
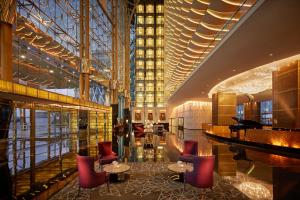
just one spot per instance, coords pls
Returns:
(150, 178)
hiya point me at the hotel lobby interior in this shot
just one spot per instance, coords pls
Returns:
(149, 99)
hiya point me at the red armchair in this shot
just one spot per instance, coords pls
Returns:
(106, 155)
(88, 178)
(138, 130)
(190, 150)
(202, 176)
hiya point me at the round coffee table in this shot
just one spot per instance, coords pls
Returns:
(115, 170)
(181, 169)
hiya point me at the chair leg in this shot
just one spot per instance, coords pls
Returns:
(78, 194)
(108, 190)
(107, 181)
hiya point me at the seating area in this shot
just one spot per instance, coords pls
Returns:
(148, 179)
(106, 155)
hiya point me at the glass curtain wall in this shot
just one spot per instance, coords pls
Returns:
(46, 43)
(50, 137)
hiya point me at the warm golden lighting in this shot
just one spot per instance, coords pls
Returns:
(139, 53)
(140, 42)
(186, 44)
(159, 31)
(261, 79)
(140, 64)
(149, 53)
(152, 54)
(140, 20)
(159, 42)
(159, 8)
(149, 31)
(149, 42)
(140, 9)
(160, 20)
(149, 8)
(140, 31)
(149, 20)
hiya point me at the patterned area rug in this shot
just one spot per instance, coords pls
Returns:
(151, 181)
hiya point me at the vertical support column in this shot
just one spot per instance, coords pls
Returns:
(127, 57)
(60, 140)
(286, 96)
(225, 165)
(84, 83)
(223, 108)
(113, 85)
(88, 138)
(15, 161)
(49, 134)
(32, 145)
(5, 117)
(7, 18)
(97, 128)
(252, 111)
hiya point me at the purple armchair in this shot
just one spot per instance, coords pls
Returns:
(106, 155)
(202, 176)
(190, 150)
(88, 178)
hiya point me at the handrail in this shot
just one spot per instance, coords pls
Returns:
(18, 89)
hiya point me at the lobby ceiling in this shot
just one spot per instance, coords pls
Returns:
(193, 29)
(265, 34)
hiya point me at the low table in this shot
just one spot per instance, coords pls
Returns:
(115, 170)
(181, 169)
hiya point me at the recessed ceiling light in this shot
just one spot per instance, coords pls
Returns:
(51, 71)
(270, 54)
(23, 56)
(69, 80)
(47, 58)
(28, 48)
(234, 70)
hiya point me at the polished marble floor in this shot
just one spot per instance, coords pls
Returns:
(150, 179)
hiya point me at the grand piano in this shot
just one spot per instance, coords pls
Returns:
(244, 124)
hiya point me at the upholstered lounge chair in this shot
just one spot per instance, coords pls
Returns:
(88, 178)
(106, 155)
(190, 150)
(202, 175)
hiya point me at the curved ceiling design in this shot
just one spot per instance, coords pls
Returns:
(253, 81)
(193, 29)
(265, 34)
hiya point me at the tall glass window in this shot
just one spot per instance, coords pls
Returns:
(266, 112)
(240, 111)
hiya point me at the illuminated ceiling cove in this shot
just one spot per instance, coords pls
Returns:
(253, 81)
(193, 29)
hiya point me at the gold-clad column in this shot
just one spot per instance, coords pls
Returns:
(84, 83)
(127, 57)
(252, 111)
(286, 96)
(114, 81)
(223, 108)
(7, 18)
